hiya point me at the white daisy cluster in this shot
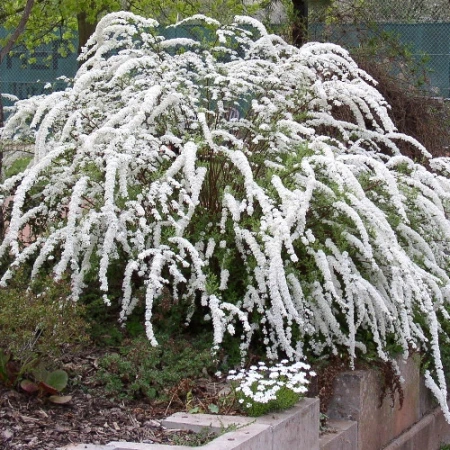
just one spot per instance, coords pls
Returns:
(260, 186)
(262, 383)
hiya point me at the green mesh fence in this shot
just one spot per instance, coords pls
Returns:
(433, 39)
(20, 78)
(428, 42)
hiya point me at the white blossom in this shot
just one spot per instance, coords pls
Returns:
(289, 222)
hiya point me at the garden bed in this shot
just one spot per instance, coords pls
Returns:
(31, 422)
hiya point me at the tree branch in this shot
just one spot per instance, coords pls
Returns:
(18, 31)
(5, 15)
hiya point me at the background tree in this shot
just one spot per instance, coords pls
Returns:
(69, 23)
(401, 11)
(11, 39)
(4, 50)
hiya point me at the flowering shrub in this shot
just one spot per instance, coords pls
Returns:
(257, 185)
(262, 389)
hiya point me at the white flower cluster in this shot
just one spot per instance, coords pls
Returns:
(261, 383)
(297, 222)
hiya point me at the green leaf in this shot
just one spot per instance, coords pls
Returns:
(214, 409)
(44, 387)
(57, 379)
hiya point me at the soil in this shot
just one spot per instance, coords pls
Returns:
(33, 422)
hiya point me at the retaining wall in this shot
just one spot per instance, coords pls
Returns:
(357, 421)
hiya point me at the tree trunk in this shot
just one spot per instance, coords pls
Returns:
(300, 24)
(85, 30)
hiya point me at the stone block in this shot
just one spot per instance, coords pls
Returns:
(86, 447)
(294, 429)
(343, 435)
(139, 446)
(357, 397)
(197, 422)
(250, 437)
(428, 434)
(427, 401)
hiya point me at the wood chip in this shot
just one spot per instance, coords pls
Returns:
(43, 413)
(7, 435)
(29, 419)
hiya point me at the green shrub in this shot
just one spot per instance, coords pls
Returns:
(140, 370)
(38, 321)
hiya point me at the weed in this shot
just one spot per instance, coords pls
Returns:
(191, 439)
(11, 370)
(47, 383)
(204, 436)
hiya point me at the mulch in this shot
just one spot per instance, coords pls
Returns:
(33, 422)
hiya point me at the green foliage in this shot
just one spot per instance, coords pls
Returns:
(191, 439)
(140, 370)
(46, 381)
(17, 166)
(103, 329)
(57, 379)
(36, 323)
(4, 372)
(285, 398)
(176, 10)
(49, 383)
(59, 23)
(38, 320)
(11, 370)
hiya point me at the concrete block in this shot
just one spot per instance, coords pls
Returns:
(294, 429)
(86, 447)
(356, 397)
(139, 446)
(343, 435)
(428, 402)
(250, 437)
(441, 428)
(197, 422)
(428, 434)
